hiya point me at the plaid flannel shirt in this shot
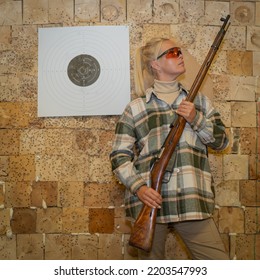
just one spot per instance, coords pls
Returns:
(187, 190)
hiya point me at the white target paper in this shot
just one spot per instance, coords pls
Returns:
(83, 71)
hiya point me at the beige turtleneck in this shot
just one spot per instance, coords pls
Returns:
(167, 91)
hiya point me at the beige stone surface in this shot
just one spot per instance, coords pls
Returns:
(235, 167)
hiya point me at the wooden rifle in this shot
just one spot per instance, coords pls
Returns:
(143, 229)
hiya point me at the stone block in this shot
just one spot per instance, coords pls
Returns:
(166, 11)
(235, 38)
(71, 194)
(256, 64)
(253, 38)
(8, 248)
(75, 220)
(245, 247)
(227, 193)
(35, 12)
(9, 141)
(17, 194)
(249, 193)
(243, 114)
(251, 220)
(30, 247)
(248, 141)
(231, 220)
(58, 247)
(5, 37)
(110, 247)
(235, 167)
(257, 247)
(4, 220)
(23, 220)
(257, 13)
(11, 12)
(22, 168)
(242, 13)
(100, 169)
(240, 63)
(87, 11)
(101, 220)
(84, 247)
(192, 11)
(61, 11)
(214, 10)
(2, 193)
(122, 225)
(113, 11)
(4, 168)
(49, 220)
(103, 195)
(139, 11)
(48, 168)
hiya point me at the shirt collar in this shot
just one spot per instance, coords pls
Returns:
(150, 92)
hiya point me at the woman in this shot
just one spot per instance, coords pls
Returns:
(186, 201)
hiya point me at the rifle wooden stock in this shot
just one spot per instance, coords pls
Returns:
(143, 230)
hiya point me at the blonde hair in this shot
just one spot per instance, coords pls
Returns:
(144, 74)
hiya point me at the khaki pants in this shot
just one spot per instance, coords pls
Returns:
(201, 238)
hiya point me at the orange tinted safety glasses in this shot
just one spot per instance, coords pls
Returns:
(174, 52)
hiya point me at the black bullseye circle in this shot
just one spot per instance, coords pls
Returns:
(83, 70)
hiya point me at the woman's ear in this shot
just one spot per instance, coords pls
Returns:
(155, 65)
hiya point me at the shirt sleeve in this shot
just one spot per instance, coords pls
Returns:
(122, 155)
(209, 126)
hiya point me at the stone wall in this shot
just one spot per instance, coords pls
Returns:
(58, 197)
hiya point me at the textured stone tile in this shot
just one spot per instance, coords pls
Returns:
(242, 13)
(257, 247)
(251, 220)
(235, 167)
(166, 11)
(58, 247)
(30, 247)
(23, 220)
(61, 11)
(242, 88)
(9, 141)
(2, 194)
(17, 194)
(191, 11)
(35, 12)
(256, 63)
(235, 38)
(100, 169)
(22, 168)
(16, 114)
(71, 194)
(257, 13)
(248, 191)
(214, 11)
(113, 11)
(248, 141)
(253, 38)
(48, 168)
(110, 247)
(84, 247)
(88, 142)
(5, 37)
(8, 248)
(101, 220)
(44, 194)
(245, 247)
(75, 220)
(49, 220)
(103, 195)
(74, 168)
(87, 11)
(227, 193)
(225, 111)
(139, 11)
(240, 63)
(11, 12)
(216, 166)
(4, 168)
(231, 220)
(122, 225)
(4, 221)
(243, 114)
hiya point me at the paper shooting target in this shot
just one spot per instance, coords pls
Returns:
(83, 71)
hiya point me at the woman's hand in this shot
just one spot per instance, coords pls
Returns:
(149, 196)
(187, 110)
